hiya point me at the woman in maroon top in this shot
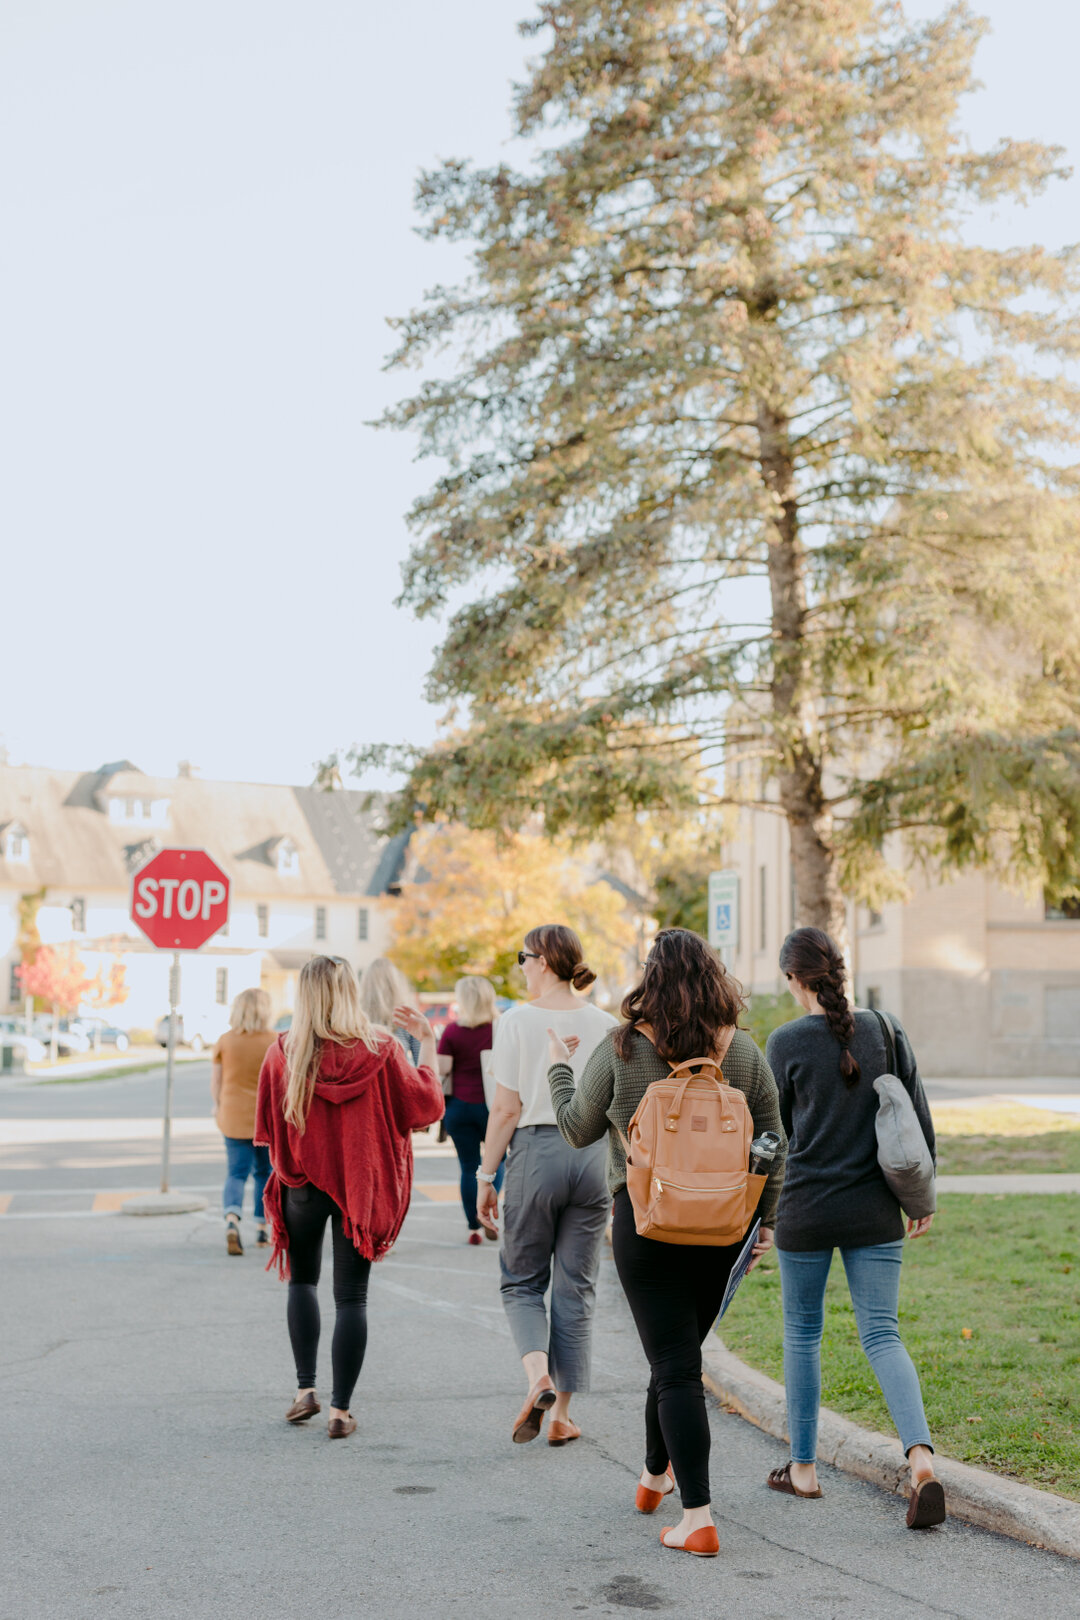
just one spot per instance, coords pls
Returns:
(460, 1048)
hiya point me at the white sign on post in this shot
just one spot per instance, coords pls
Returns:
(724, 910)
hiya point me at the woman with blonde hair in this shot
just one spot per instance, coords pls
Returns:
(383, 987)
(234, 1081)
(338, 1101)
(461, 1047)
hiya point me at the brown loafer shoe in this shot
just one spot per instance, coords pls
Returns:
(302, 1409)
(233, 1244)
(926, 1505)
(780, 1480)
(561, 1434)
(530, 1419)
(338, 1428)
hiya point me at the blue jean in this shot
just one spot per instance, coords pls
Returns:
(873, 1276)
(245, 1159)
(466, 1126)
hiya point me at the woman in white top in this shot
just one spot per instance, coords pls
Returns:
(556, 1201)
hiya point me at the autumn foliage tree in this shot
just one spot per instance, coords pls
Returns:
(57, 976)
(474, 898)
(751, 452)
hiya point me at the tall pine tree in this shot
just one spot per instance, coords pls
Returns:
(726, 328)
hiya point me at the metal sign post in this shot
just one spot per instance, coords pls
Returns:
(166, 1134)
(179, 899)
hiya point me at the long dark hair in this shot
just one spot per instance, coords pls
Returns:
(563, 951)
(686, 995)
(813, 957)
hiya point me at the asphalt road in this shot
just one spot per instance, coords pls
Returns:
(149, 1472)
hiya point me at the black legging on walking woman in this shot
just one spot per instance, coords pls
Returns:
(674, 1293)
(306, 1211)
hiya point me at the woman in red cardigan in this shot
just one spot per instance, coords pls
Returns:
(338, 1100)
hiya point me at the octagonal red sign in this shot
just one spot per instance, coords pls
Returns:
(179, 899)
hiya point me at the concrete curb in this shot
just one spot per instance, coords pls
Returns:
(170, 1203)
(1011, 1509)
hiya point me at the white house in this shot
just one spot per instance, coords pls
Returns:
(308, 870)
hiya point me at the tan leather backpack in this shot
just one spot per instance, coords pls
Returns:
(687, 1157)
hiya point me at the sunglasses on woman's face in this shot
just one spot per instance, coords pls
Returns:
(523, 954)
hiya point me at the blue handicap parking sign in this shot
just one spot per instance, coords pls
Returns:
(723, 917)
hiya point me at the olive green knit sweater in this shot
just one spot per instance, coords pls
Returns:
(610, 1090)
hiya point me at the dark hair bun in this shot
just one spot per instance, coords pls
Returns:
(582, 977)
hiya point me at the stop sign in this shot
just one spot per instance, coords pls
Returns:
(179, 898)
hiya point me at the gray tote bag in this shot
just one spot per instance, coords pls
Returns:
(902, 1152)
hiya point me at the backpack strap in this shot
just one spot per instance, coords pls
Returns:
(716, 1074)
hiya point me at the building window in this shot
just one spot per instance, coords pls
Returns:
(362, 923)
(874, 918)
(14, 987)
(262, 921)
(873, 998)
(139, 812)
(17, 844)
(763, 894)
(320, 922)
(221, 987)
(1067, 910)
(78, 915)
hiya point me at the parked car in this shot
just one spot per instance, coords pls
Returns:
(283, 1023)
(99, 1033)
(70, 1041)
(438, 1010)
(195, 1030)
(27, 1047)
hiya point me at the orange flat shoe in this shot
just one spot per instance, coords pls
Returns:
(561, 1434)
(703, 1543)
(530, 1419)
(647, 1501)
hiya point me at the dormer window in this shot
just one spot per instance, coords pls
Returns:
(16, 844)
(139, 812)
(288, 858)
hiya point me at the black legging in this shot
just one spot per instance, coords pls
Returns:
(674, 1292)
(306, 1211)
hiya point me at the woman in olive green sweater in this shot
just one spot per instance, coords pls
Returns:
(685, 1001)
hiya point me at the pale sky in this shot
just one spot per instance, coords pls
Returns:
(207, 217)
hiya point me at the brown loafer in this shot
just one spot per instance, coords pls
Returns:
(529, 1420)
(302, 1409)
(338, 1428)
(780, 1480)
(233, 1244)
(926, 1505)
(561, 1434)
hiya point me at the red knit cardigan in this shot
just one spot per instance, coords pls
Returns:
(356, 1145)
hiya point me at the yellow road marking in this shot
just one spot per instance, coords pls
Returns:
(104, 1201)
(5, 1202)
(440, 1192)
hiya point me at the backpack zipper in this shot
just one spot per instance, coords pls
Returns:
(679, 1186)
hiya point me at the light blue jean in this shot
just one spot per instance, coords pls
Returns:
(244, 1159)
(873, 1276)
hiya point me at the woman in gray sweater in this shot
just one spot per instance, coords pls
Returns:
(684, 1006)
(835, 1196)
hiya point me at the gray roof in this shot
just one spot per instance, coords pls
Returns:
(75, 844)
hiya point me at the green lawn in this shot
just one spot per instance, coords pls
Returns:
(1004, 1136)
(1006, 1268)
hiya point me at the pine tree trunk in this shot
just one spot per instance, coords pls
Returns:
(818, 899)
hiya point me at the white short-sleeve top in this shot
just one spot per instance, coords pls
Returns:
(519, 1056)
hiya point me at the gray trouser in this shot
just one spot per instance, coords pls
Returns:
(555, 1209)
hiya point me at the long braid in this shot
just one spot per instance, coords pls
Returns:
(810, 956)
